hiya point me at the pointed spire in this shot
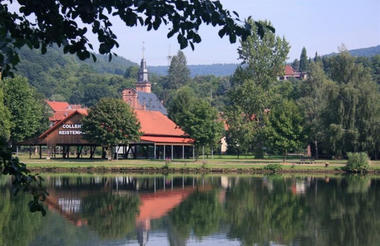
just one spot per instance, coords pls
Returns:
(143, 72)
(143, 50)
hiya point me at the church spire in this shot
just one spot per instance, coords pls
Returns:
(143, 84)
(143, 71)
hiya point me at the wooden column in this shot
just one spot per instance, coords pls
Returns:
(183, 151)
(164, 152)
(40, 152)
(154, 151)
(171, 152)
(193, 152)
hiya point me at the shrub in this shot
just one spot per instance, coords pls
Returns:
(273, 167)
(357, 162)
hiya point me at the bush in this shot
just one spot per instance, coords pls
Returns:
(357, 162)
(273, 167)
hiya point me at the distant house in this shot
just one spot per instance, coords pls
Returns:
(289, 72)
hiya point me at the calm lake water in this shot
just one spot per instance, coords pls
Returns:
(186, 210)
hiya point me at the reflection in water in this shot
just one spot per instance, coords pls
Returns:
(227, 210)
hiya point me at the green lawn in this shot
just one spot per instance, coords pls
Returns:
(227, 163)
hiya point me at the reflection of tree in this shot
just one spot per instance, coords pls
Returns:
(200, 212)
(111, 216)
(175, 238)
(17, 224)
(57, 231)
(258, 216)
(357, 184)
(344, 215)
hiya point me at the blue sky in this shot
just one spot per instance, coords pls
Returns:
(319, 25)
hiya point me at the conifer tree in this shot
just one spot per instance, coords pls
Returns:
(179, 74)
(303, 61)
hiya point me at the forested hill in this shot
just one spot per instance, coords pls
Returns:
(60, 76)
(229, 68)
(33, 62)
(200, 70)
(366, 52)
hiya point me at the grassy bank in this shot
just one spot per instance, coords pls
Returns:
(208, 165)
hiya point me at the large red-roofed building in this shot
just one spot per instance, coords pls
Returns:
(161, 138)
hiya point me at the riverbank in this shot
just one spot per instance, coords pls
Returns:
(239, 166)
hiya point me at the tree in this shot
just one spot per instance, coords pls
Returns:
(178, 74)
(245, 117)
(40, 24)
(241, 132)
(263, 59)
(196, 117)
(264, 55)
(313, 102)
(303, 61)
(284, 128)
(111, 122)
(27, 109)
(317, 58)
(352, 115)
(296, 64)
(5, 124)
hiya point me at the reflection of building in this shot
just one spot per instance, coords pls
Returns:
(157, 197)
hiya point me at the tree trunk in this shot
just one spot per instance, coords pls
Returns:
(316, 149)
(285, 154)
(109, 152)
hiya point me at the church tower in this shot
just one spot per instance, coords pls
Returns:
(143, 84)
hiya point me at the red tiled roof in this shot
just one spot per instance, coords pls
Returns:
(61, 110)
(79, 111)
(157, 139)
(158, 204)
(60, 115)
(58, 106)
(156, 123)
(289, 70)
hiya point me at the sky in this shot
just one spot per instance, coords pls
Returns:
(318, 25)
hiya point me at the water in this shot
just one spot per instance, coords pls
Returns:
(186, 210)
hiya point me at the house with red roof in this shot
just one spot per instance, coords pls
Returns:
(289, 72)
(161, 139)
